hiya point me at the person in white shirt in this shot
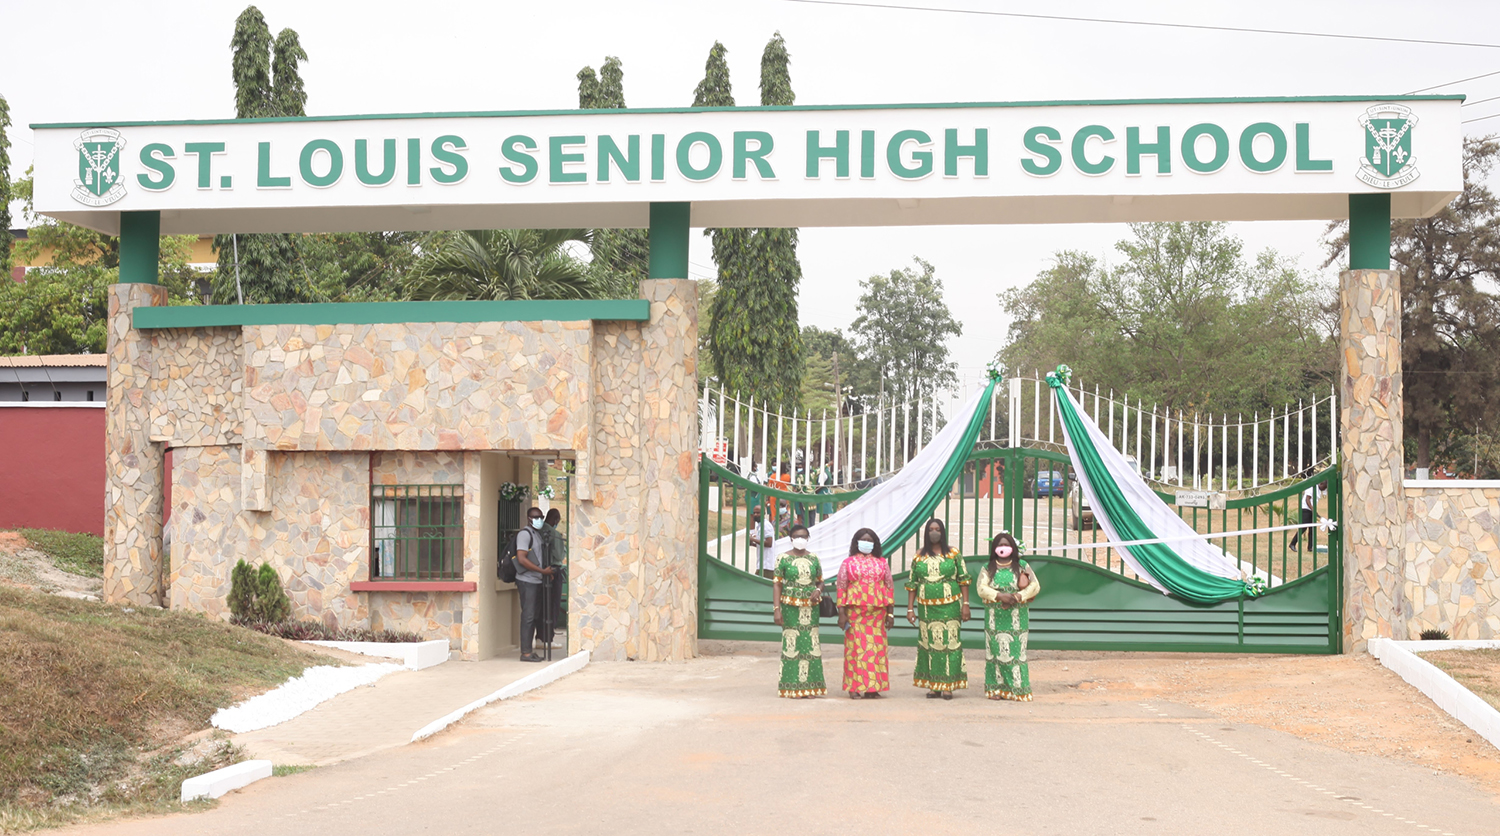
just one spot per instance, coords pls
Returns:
(762, 535)
(1309, 512)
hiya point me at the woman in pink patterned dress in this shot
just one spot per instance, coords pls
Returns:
(867, 599)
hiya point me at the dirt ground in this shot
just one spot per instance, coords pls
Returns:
(26, 568)
(1348, 702)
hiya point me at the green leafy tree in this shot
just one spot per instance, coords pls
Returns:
(5, 191)
(264, 267)
(1450, 324)
(1184, 322)
(828, 361)
(753, 320)
(901, 334)
(502, 264)
(621, 257)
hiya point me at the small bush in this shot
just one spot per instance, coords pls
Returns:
(1434, 635)
(77, 554)
(307, 631)
(256, 597)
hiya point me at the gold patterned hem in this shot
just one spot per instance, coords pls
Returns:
(940, 686)
(797, 602)
(947, 599)
(1007, 695)
(798, 693)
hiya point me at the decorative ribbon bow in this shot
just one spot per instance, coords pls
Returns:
(1327, 525)
(1059, 378)
(993, 371)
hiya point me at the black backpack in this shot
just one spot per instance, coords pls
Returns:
(505, 567)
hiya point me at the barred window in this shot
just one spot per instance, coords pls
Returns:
(416, 532)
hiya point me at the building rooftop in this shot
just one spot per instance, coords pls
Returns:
(52, 360)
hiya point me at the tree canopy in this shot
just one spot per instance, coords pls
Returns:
(501, 264)
(1183, 321)
(901, 333)
(5, 190)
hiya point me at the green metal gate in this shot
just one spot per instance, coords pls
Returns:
(1088, 601)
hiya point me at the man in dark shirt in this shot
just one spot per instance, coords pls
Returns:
(531, 567)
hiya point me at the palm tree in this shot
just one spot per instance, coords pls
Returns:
(503, 264)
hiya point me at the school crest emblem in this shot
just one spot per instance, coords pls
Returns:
(99, 182)
(1388, 162)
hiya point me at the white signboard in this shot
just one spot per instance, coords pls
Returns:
(1201, 499)
(806, 166)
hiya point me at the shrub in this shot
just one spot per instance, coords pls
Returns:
(1434, 635)
(257, 596)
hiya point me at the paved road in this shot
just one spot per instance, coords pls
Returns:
(706, 747)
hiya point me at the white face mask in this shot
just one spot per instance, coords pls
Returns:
(536, 522)
(866, 547)
(1002, 552)
(799, 543)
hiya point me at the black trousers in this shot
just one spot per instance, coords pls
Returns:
(531, 614)
(1307, 517)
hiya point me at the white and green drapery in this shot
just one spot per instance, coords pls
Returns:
(1180, 563)
(896, 509)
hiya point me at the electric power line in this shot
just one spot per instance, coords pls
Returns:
(1451, 83)
(1479, 118)
(1122, 22)
(1479, 101)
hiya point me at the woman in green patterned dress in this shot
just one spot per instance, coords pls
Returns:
(796, 590)
(938, 603)
(1006, 586)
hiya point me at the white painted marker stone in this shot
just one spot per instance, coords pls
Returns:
(230, 778)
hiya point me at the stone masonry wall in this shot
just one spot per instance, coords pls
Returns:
(133, 570)
(1452, 568)
(197, 379)
(1374, 531)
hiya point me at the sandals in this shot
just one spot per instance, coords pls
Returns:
(932, 695)
(855, 695)
(947, 695)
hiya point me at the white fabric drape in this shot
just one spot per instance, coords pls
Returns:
(1157, 515)
(885, 506)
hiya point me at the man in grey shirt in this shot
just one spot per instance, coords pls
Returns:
(531, 567)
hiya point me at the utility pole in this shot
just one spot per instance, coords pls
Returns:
(838, 393)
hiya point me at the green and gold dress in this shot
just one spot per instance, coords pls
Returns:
(1006, 674)
(942, 585)
(801, 653)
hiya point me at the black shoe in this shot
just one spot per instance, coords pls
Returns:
(932, 695)
(872, 695)
(530, 657)
(855, 695)
(947, 695)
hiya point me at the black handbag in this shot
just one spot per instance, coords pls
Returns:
(828, 607)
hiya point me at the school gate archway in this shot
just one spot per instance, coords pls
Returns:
(285, 418)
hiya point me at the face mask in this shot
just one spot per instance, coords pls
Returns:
(1002, 552)
(536, 522)
(866, 546)
(799, 543)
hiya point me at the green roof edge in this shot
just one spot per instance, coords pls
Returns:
(811, 108)
(380, 313)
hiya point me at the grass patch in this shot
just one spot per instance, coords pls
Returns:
(281, 770)
(94, 701)
(78, 554)
(1477, 670)
(317, 631)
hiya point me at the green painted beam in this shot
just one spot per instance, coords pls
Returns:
(1370, 231)
(140, 247)
(669, 240)
(803, 108)
(379, 313)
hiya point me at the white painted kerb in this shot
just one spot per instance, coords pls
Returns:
(1465, 706)
(415, 655)
(216, 783)
(551, 673)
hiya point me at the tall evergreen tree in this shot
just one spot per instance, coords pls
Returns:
(621, 256)
(267, 82)
(4, 191)
(753, 320)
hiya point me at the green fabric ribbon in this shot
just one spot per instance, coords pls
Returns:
(1181, 578)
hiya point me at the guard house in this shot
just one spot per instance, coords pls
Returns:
(300, 432)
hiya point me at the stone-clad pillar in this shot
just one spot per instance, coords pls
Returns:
(133, 568)
(669, 449)
(1374, 526)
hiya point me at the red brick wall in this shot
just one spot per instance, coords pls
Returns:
(52, 468)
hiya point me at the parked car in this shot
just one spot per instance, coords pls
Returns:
(1079, 512)
(1047, 483)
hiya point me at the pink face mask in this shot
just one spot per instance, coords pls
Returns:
(1003, 552)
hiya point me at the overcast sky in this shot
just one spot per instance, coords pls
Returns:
(87, 60)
